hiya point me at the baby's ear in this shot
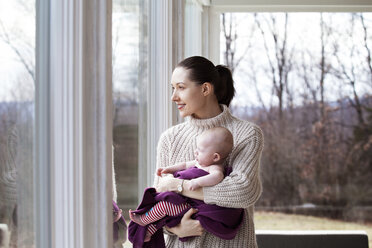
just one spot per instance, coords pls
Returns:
(216, 157)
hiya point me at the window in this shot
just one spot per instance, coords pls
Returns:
(17, 83)
(305, 78)
(129, 44)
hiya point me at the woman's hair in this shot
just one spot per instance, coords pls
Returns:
(202, 70)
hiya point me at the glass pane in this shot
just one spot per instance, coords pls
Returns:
(129, 42)
(193, 31)
(17, 84)
(306, 80)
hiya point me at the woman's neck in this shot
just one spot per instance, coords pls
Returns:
(209, 111)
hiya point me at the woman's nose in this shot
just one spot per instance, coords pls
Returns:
(174, 96)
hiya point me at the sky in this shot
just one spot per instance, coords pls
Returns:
(20, 24)
(303, 35)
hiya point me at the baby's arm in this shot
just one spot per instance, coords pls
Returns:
(214, 177)
(174, 168)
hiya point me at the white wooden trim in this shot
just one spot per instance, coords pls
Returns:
(75, 86)
(160, 115)
(193, 28)
(211, 20)
(214, 35)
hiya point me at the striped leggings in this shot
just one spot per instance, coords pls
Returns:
(159, 211)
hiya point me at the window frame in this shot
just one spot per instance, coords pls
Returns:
(216, 7)
(166, 49)
(73, 124)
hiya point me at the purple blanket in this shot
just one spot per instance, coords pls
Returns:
(222, 222)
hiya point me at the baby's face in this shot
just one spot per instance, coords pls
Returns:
(204, 152)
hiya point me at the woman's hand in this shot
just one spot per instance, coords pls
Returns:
(167, 183)
(192, 185)
(188, 227)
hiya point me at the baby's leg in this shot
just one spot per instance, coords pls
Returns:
(157, 212)
(151, 229)
(162, 209)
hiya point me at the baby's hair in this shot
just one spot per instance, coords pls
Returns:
(222, 138)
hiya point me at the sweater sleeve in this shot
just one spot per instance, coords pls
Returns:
(162, 157)
(242, 188)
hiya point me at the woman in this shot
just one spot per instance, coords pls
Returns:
(203, 93)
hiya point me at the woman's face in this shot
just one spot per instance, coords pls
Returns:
(188, 95)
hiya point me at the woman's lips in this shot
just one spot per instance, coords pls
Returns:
(180, 106)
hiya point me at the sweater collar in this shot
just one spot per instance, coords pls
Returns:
(219, 120)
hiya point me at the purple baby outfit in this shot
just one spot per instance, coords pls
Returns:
(220, 221)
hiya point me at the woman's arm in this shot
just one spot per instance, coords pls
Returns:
(242, 187)
(171, 184)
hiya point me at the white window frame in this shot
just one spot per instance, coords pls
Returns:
(165, 30)
(216, 7)
(73, 124)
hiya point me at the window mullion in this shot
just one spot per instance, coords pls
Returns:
(74, 124)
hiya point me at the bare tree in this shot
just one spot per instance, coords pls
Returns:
(280, 63)
(349, 74)
(366, 46)
(229, 30)
(28, 64)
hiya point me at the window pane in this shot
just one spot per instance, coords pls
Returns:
(193, 32)
(17, 83)
(129, 42)
(306, 79)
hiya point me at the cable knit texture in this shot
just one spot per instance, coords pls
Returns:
(241, 189)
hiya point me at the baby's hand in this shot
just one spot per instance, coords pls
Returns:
(161, 171)
(193, 185)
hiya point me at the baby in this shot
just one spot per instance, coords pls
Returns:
(212, 148)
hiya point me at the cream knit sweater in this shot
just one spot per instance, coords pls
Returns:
(241, 189)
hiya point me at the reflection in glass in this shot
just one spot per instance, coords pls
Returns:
(129, 44)
(17, 83)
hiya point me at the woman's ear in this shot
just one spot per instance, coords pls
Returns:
(207, 88)
(216, 157)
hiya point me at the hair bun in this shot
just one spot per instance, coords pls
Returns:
(227, 91)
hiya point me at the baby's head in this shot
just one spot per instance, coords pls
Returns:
(213, 146)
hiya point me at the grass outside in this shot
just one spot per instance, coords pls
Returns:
(281, 221)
